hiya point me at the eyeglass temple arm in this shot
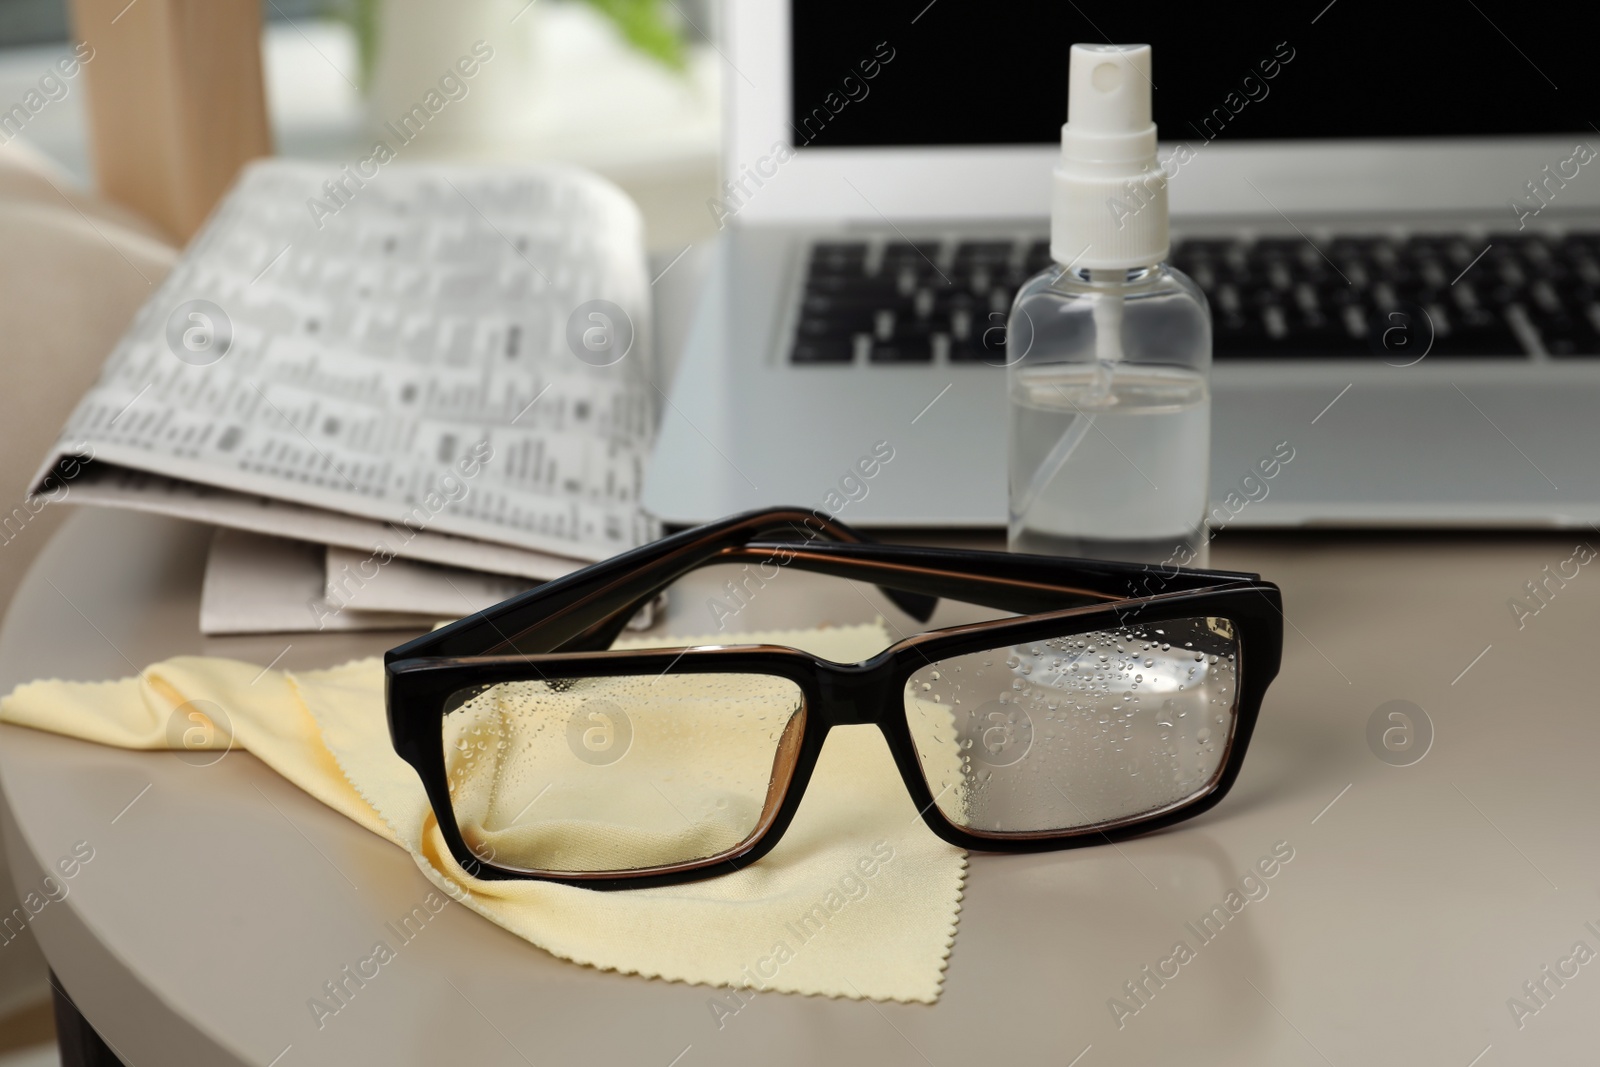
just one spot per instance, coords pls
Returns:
(586, 611)
(999, 580)
(603, 634)
(915, 579)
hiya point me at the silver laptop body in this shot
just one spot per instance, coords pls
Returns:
(1460, 386)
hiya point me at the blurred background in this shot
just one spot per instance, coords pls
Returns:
(629, 88)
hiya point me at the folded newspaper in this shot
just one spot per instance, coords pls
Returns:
(434, 363)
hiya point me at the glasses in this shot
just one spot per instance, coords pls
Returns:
(1118, 699)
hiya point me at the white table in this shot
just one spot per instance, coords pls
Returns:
(1419, 898)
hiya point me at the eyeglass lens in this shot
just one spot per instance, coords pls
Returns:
(1077, 731)
(590, 775)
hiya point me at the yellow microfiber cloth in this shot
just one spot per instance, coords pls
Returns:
(859, 899)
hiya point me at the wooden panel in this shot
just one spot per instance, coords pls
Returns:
(176, 102)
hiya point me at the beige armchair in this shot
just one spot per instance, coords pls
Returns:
(176, 106)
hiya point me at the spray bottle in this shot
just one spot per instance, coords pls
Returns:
(1110, 391)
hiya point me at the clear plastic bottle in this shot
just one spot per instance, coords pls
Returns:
(1110, 394)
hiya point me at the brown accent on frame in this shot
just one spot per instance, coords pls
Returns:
(745, 552)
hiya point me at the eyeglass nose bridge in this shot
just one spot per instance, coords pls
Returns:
(855, 694)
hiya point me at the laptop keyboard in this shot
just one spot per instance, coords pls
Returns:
(1512, 294)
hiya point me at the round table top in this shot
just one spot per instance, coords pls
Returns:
(1419, 901)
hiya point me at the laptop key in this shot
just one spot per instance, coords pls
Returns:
(898, 253)
(909, 350)
(883, 323)
(910, 275)
(809, 328)
(1243, 337)
(972, 276)
(1577, 245)
(876, 287)
(844, 304)
(991, 252)
(1315, 334)
(838, 262)
(1431, 273)
(948, 298)
(1569, 330)
(824, 350)
(1578, 292)
(1477, 332)
(1239, 275)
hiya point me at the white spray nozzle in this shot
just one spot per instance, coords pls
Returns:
(1109, 205)
(1108, 91)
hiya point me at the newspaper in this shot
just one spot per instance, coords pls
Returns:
(256, 584)
(438, 363)
(352, 583)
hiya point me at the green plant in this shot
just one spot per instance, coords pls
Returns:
(362, 17)
(647, 26)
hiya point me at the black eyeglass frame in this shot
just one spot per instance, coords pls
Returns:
(562, 629)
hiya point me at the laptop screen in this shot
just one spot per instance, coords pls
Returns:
(947, 73)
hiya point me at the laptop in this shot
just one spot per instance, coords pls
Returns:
(1395, 218)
